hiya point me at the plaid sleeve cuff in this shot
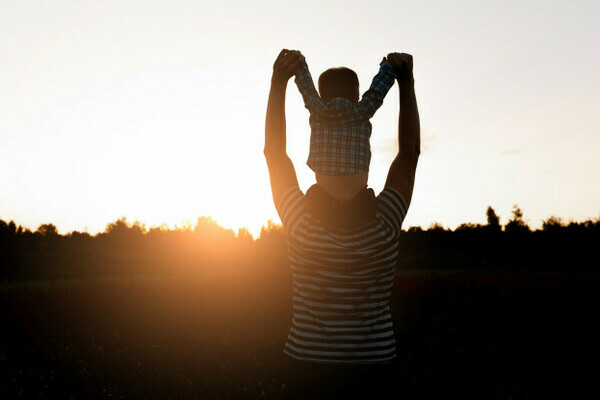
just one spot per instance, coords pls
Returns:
(385, 78)
(303, 79)
(387, 67)
(302, 73)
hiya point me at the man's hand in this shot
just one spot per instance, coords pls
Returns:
(286, 64)
(403, 65)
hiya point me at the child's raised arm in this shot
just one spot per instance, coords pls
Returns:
(382, 82)
(307, 89)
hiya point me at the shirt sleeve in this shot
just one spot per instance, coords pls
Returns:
(309, 93)
(393, 207)
(373, 98)
(291, 208)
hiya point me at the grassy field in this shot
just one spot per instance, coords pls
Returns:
(477, 334)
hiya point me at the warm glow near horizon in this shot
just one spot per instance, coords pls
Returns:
(155, 111)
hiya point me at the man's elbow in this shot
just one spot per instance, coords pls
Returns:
(416, 151)
(267, 153)
(413, 144)
(408, 156)
(413, 155)
(272, 153)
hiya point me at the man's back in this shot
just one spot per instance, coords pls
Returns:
(343, 278)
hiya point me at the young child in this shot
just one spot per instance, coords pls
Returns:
(340, 151)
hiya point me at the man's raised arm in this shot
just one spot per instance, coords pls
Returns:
(281, 168)
(402, 172)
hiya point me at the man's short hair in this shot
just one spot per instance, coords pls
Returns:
(338, 82)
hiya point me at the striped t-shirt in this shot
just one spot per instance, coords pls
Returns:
(342, 282)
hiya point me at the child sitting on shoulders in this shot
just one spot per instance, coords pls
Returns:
(340, 150)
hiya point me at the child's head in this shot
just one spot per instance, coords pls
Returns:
(338, 82)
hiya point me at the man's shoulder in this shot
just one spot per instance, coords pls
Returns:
(390, 192)
(393, 207)
(291, 200)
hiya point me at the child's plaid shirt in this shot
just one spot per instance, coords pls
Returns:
(340, 129)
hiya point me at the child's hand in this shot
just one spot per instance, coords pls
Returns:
(403, 65)
(287, 63)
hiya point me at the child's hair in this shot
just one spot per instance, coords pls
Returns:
(338, 82)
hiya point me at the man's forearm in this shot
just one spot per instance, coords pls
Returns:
(275, 143)
(409, 129)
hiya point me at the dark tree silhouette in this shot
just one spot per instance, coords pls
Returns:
(493, 221)
(553, 224)
(207, 248)
(516, 224)
(468, 227)
(47, 230)
(436, 227)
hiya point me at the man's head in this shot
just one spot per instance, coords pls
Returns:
(338, 82)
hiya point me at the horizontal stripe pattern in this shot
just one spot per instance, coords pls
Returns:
(343, 280)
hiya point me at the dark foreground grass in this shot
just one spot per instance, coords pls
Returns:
(479, 335)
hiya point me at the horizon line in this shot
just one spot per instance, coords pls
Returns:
(187, 225)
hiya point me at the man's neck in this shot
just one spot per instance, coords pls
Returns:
(343, 187)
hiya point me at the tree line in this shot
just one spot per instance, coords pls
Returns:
(209, 249)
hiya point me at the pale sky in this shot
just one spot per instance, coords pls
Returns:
(155, 110)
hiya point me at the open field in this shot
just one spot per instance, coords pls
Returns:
(479, 334)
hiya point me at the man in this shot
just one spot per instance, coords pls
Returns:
(342, 254)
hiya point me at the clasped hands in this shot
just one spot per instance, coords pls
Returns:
(288, 62)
